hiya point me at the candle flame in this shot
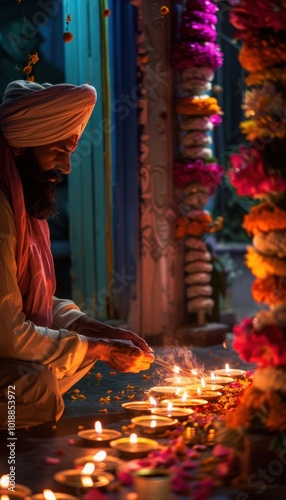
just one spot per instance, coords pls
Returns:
(184, 397)
(4, 497)
(170, 406)
(176, 369)
(4, 481)
(99, 456)
(86, 481)
(88, 468)
(199, 392)
(203, 382)
(212, 376)
(48, 495)
(133, 438)
(152, 401)
(194, 372)
(153, 424)
(98, 427)
(227, 367)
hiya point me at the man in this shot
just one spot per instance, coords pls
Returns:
(46, 344)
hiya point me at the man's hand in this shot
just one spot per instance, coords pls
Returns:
(121, 355)
(121, 349)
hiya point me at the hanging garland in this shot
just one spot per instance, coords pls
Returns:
(258, 170)
(196, 174)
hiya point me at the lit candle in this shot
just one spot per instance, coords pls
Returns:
(134, 446)
(199, 392)
(50, 495)
(152, 401)
(86, 479)
(203, 382)
(13, 491)
(98, 434)
(154, 423)
(230, 372)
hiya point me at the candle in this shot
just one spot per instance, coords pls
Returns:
(9, 488)
(86, 477)
(133, 446)
(214, 380)
(98, 435)
(139, 407)
(173, 412)
(230, 372)
(101, 460)
(50, 495)
(184, 403)
(165, 389)
(154, 423)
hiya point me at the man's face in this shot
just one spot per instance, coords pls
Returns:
(41, 168)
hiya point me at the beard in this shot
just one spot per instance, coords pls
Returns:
(39, 187)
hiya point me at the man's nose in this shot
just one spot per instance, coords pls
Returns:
(65, 164)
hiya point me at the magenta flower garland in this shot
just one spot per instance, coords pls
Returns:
(196, 173)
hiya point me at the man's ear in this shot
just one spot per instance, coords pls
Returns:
(18, 151)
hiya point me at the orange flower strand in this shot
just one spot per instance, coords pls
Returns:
(263, 218)
(270, 291)
(262, 267)
(276, 75)
(196, 106)
(251, 401)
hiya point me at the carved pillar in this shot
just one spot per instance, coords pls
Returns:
(157, 303)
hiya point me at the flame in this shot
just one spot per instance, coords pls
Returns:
(170, 406)
(86, 481)
(184, 397)
(4, 481)
(152, 401)
(176, 369)
(133, 438)
(48, 495)
(212, 376)
(99, 456)
(4, 497)
(203, 382)
(194, 372)
(88, 468)
(153, 424)
(227, 367)
(199, 392)
(98, 427)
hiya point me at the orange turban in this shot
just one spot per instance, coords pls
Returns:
(34, 115)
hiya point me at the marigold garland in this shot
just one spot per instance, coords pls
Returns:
(256, 407)
(259, 54)
(203, 224)
(265, 128)
(262, 266)
(263, 218)
(198, 106)
(32, 60)
(270, 291)
(276, 75)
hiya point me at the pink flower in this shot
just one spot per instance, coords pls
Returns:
(266, 347)
(95, 494)
(248, 176)
(220, 451)
(180, 480)
(203, 489)
(207, 174)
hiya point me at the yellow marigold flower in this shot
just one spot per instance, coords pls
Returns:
(262, 267)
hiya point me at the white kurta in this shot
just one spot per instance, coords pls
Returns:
(21, 339)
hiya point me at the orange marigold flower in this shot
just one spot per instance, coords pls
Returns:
(67, 36)
(106, 13)
(34, 58)
(164, 10)
(28, 69)
(271, 290)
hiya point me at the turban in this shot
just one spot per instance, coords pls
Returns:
(34, 115)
